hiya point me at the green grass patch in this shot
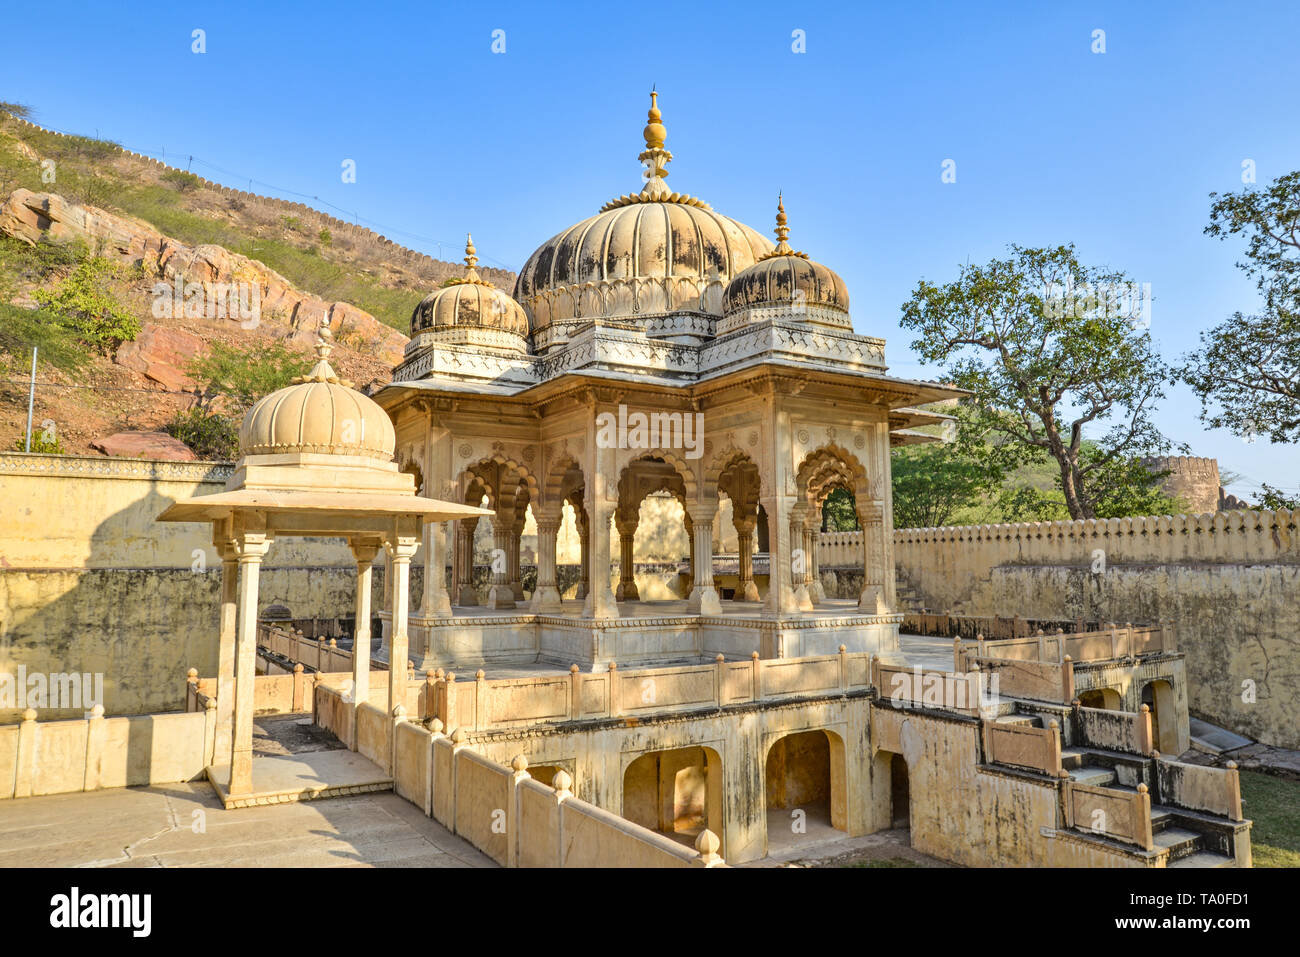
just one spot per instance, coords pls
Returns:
(1273, 804)
(303, 266)
(85, 172)
(21, 329)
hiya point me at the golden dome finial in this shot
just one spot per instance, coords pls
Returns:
(655, 133)
(782, 230)
(322, 371)
(655, 159)
(471, 260)
(782, 233)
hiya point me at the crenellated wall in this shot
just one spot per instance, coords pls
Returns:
(1228, 581)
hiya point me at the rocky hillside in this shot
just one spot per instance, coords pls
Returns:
(193, 267)
(332, 259)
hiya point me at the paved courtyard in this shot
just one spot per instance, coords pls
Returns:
(184, 825)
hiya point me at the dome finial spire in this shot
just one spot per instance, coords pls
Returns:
(322, 371)
(655, 159)
(782, 229)
(782, 232)
(471, 260)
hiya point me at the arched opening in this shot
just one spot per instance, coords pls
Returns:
(487, 552)
(805, 789)
(1159, 697)
(659, 546)
(837, 495)
(737, 530)
(1105, 698)
(570, 551)
(677, 792)
(893, 789)
(650, 528)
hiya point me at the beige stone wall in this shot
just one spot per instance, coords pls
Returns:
(90, 582)
(1229, 582)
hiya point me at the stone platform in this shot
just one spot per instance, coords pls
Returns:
(283, 779)
(644, 634)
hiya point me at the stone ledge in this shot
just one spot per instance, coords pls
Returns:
(77, 466)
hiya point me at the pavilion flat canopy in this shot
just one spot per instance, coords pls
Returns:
(208, 508)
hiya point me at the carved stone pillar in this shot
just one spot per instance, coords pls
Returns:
(435, 602)
(512, 554)
(704, 597)
(690, 538)
(501, 596)
(746, 590)
(251, 548)
(364, 553)
(467, 594)
(600, 601)
(227, 641)
(780, 590)
(627, 590)
(799, 558)
(816, 591)
(546, 598)
(400, 552)
(871, 518)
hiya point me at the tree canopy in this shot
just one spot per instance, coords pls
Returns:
(1050, 347)
(1247, 369)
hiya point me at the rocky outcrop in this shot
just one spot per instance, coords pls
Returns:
(161, 353)
(144, 445)
(196, 275)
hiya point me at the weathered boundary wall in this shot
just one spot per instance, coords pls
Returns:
(1229, 583)
(91, 583)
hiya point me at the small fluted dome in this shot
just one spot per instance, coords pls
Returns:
(647, 253)
(471, 303)
(318, 414)
(786, 277)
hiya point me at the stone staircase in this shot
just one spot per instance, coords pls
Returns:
(909, 599)
(1193, 839)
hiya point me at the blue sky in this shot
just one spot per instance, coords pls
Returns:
(1115, 152)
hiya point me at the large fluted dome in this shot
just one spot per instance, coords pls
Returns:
(645, 254)
(318, 414)
(471, 309)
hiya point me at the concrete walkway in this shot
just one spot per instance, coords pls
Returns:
(184, 825)
(932, 654)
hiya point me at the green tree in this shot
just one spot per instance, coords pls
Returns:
(1049, 347)
(933, 483)
(1275, 498)
(243, 374)
(1247, 369)
(85, 303)
(210, 434)
(231, 379)
(838, 512)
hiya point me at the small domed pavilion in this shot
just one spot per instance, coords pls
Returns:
(316, 458)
